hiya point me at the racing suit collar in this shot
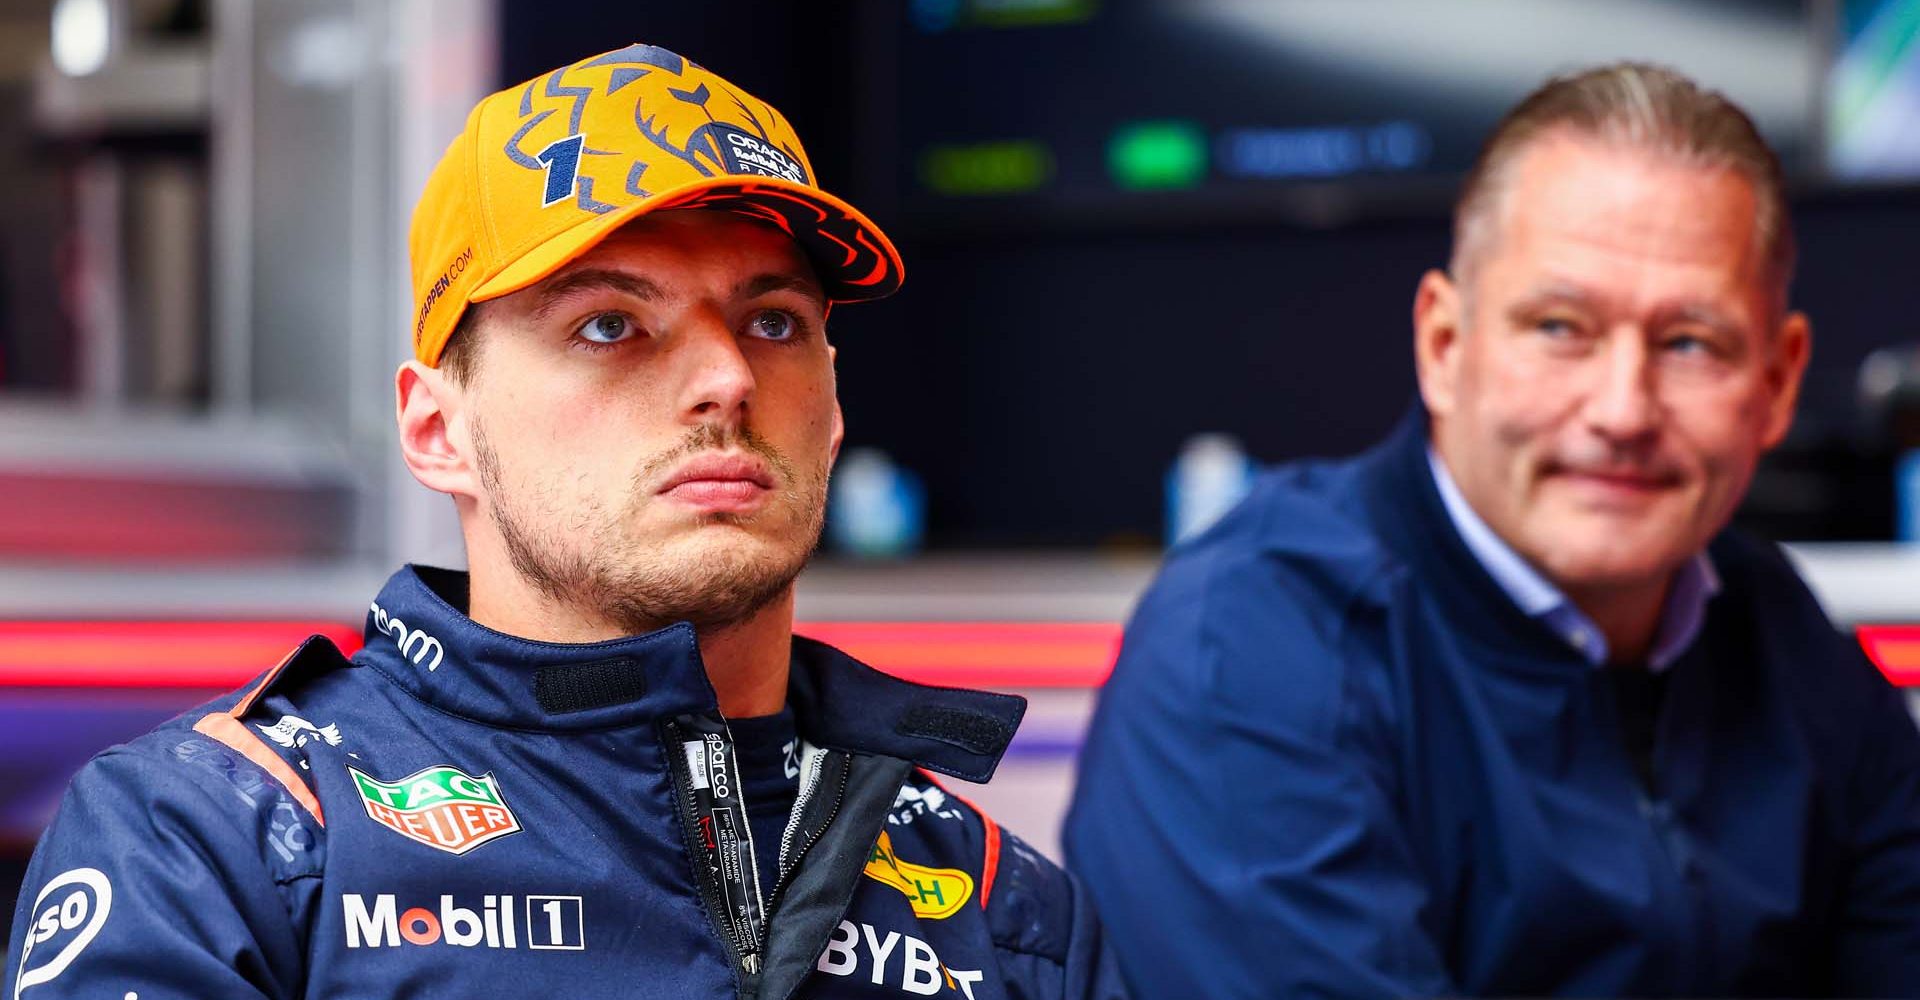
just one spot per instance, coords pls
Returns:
(418, 636)
(843, 704)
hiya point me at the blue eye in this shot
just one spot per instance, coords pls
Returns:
(606, 328)
(774, 324)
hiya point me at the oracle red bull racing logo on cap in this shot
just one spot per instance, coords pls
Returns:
(745, 153)
(442, 807)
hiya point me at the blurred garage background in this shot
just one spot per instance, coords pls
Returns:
(1151, 244)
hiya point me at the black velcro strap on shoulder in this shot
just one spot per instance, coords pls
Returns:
(970, 731)
(843, 704)
(577, 688)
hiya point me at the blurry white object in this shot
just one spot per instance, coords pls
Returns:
(876, 509)
(324, 52)
(1873, 93)
(108, 74)
(1209, 477)
(1496, 50)
(82, 35)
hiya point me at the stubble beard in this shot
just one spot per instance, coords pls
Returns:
(585, 559)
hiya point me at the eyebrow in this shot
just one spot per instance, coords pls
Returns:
(1552, 293)
(1562, 293)
(1705, 315)
(587, 279)
(778, 281)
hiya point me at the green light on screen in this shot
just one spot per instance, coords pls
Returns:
(1154, 155)
(1014, 166)
(1029, 13)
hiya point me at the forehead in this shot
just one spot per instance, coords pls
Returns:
(696, 246)
(1629, 221)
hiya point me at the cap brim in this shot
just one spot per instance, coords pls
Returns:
(854, 259)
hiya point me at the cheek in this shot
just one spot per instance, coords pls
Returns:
(1720, 430)
(544, 425)
(1517, 396)
(800, 412)
(820, 409)
(568, 443)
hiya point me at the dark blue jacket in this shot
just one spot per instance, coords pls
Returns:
(1335, 760)
(460, 813)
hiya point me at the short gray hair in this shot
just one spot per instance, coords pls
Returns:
(1642, 107)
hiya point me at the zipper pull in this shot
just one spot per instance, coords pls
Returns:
(751, 963)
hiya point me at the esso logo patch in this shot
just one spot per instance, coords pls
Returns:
(64, 919)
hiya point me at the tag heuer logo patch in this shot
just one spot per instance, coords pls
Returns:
(442, 807)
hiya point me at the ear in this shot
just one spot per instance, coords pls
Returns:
(1437, 329)
(1786, 365)
(432, 440)
(839, 431)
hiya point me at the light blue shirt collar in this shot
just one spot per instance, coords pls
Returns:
(1680, 621)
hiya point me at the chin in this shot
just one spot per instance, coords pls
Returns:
(726, 548)
(1611, 562)
(700, 577)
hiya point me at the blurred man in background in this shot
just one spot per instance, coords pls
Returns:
(1500, 707)
(600, 763)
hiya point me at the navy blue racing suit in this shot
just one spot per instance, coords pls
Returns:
(456, 812)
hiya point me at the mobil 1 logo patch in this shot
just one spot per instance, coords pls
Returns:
(746, 153)
(65, 917)
(540, 923)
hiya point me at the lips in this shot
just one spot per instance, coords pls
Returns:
(1632, 480)
(1619, 484)
(719, 482)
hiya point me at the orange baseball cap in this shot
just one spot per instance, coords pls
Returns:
(546, 170)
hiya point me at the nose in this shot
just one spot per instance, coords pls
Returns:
(716, 378)
(1622, 405)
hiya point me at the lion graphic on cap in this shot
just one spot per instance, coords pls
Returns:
(705, 127)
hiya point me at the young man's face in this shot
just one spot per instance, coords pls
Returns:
(653, 424)
(1607, 376)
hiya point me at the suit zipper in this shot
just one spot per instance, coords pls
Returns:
(787, 870)
(746, 962)
(795, 814)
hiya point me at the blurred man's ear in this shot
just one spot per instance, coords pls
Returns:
(1437, 328)
(433, 442)
(1786, 365)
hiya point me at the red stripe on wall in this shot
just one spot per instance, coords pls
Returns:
(1895, 649)
(215, 655)
(207, 655)
(980, 654)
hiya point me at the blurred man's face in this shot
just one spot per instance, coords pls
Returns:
(654, 423)
(1606, 378)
